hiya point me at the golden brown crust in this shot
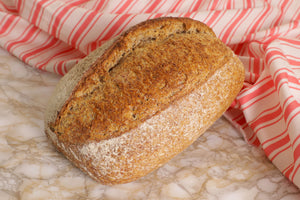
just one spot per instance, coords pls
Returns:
(144, 78)
(146, 98)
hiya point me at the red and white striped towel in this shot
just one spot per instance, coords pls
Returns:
(53, 35)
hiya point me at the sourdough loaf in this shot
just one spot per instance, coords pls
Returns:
(141, 98)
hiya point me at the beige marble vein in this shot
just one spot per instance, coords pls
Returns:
(218, 166)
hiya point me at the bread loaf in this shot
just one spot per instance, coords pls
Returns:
(141, 98)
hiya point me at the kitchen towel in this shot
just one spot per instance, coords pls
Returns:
(53, 35)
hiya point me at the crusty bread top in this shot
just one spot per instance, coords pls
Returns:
(141, 73)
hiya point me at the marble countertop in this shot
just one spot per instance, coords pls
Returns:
(219, 165)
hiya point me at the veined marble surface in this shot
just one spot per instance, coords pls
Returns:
(218, 166)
